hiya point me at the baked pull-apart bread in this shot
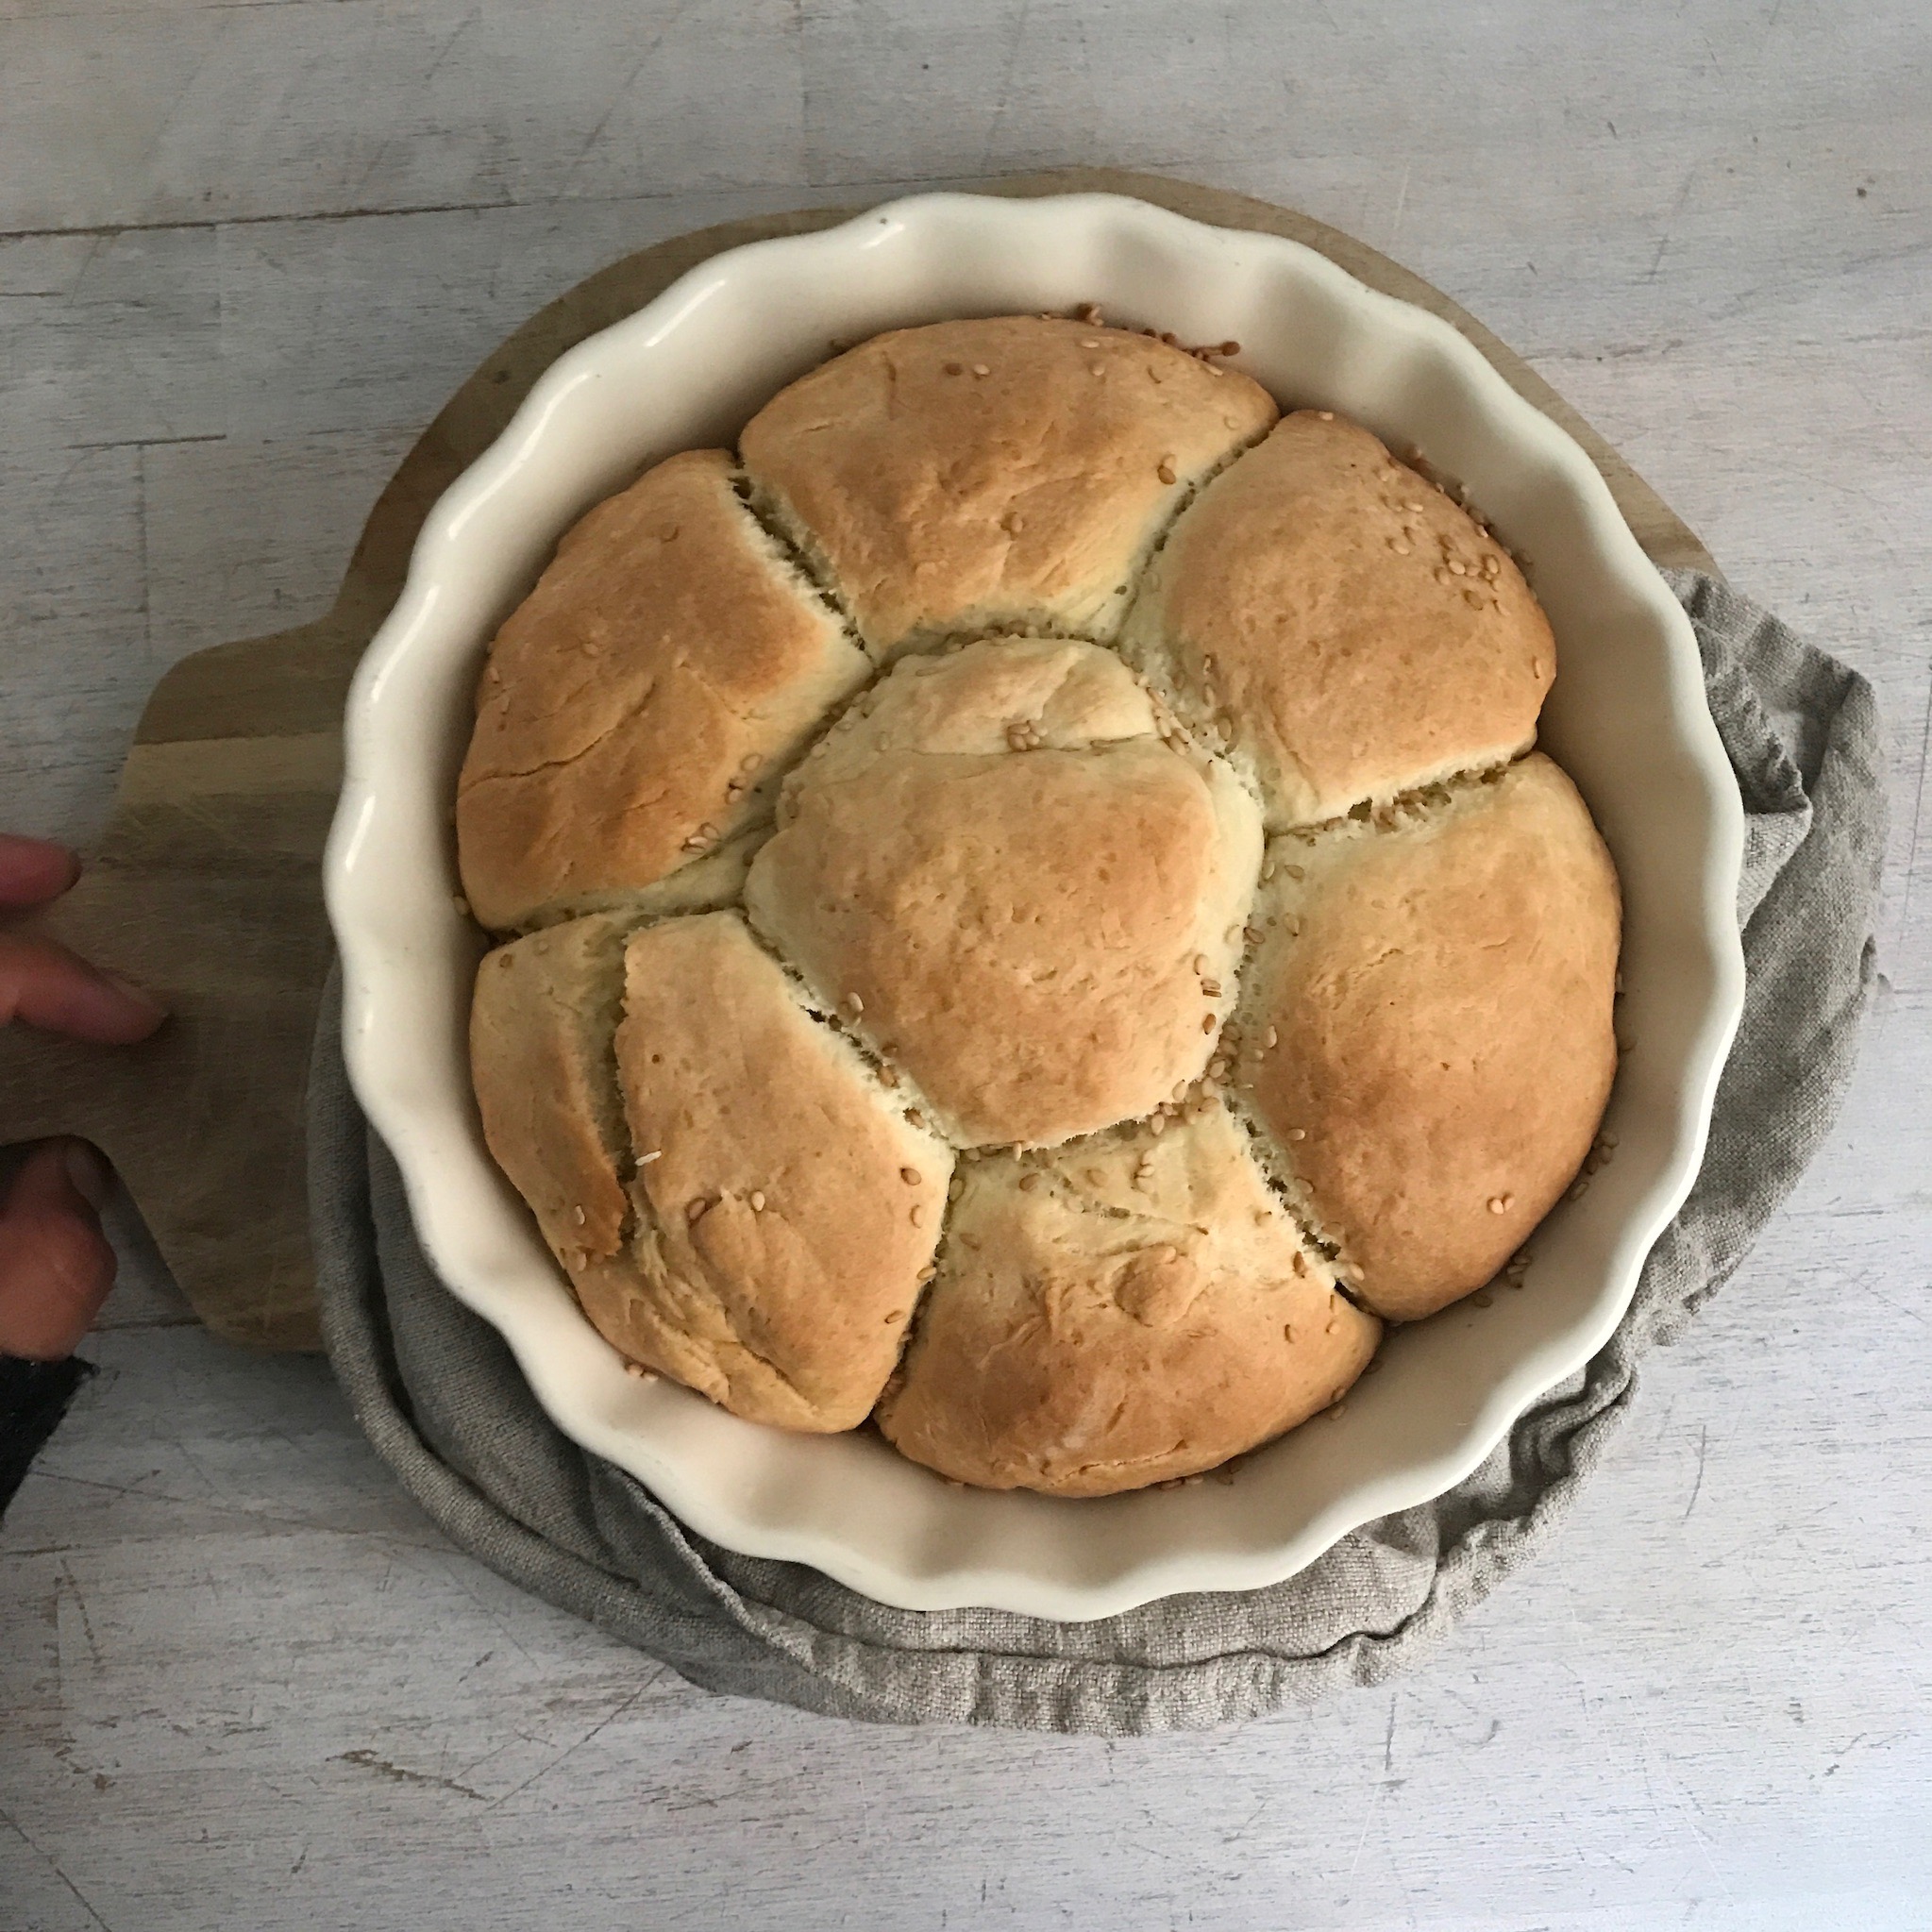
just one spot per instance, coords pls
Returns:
(1028, 909)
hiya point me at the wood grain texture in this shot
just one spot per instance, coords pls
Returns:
(242, 1683)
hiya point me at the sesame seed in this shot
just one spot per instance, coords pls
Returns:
(1441, 575)
(1091, 342)
(1338, 1411)
(1577, 1192)
(910, 1176)
(757, 1200)
(644, 1160)
(635, 1370)
(1096, 368)
(1399, 547)
(1157, 1124)
(917, 1118)
(1324, 415)
(926, 1273)
(1270, 1037)
(1457, 568)
(1492, 567)
(1207, 1022)
(981, 369)
(1212, 988)
(887, 1077)
(749, 763)
(1165, 471)
(853, 1004)
(460, 903)
(1296, 1134)
(577, 1214)
(695, 1208)
(1499, 1203)
(1013, 523)
(1473, 600)
(1609, 1140)
(1231, 348)
(955, 369)
(1484, 1299)
(918, 1217)
(1029, 1180)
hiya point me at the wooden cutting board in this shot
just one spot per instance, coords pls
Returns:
(206, 886)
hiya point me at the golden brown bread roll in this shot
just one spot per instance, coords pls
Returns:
(541, 1018)
(1127, 1309)
(1004, 474)
(1019, 894)
(1339, 625)
(1427, 1028)
(785, 1205)
(637, 706)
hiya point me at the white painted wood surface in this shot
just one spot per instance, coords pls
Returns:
(246, 251)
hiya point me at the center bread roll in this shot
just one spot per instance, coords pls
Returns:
(1021, 894)
(1126, 1310)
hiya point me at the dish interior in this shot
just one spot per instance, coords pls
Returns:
(1627, 719)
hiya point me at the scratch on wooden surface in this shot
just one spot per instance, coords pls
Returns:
(609, 1717)
(401, 1775)
(52, 1865)
(1697, 1488)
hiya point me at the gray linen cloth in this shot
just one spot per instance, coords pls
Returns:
(444, 1405)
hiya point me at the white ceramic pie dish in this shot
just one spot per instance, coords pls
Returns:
(1627, 719)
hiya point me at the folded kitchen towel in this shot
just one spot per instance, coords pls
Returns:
(445, 1405)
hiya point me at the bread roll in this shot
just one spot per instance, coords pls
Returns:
(1125, 1310)
(785, 1206)
(1019, 894)
(1340, 626)
(1427, 1028)
(541, 1018)
(637, 706)
(1010, 472)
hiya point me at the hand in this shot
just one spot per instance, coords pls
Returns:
(55, 1266)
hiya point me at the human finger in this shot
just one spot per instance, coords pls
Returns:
(55, 1266)
(47, 986)
(33, 871)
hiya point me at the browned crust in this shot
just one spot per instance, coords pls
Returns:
(541, 1015)
(1428, 1028)
(786, 1206)
(1011, 472)
(1128, 1310)
(921, 870)
(636, 704)
(1341, 625)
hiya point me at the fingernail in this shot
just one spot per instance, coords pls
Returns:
(88, 1174)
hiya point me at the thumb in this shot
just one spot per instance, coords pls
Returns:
(55, 1266)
